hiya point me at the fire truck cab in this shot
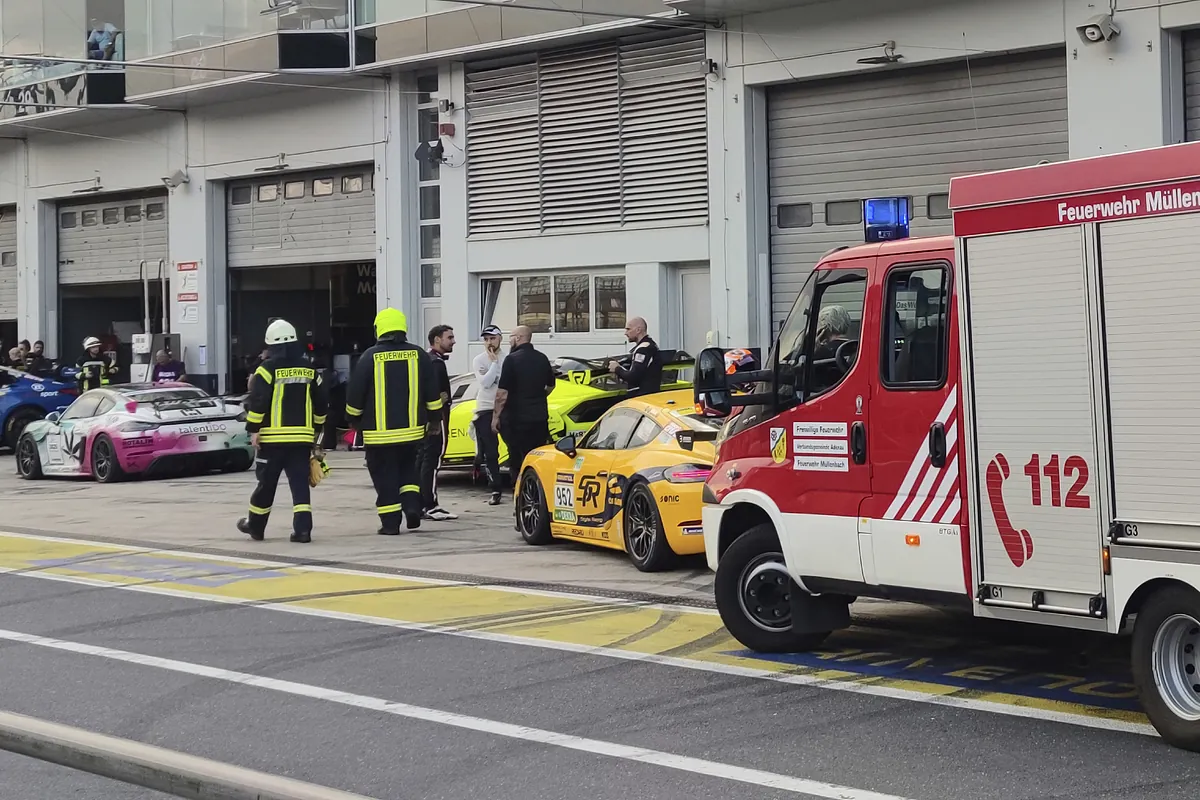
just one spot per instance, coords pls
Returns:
(1006, 419)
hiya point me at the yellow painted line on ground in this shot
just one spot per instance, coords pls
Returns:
(606, 627)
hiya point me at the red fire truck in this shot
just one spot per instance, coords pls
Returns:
(1008, 418)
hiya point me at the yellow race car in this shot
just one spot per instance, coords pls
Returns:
(585, 390)
(633, 482)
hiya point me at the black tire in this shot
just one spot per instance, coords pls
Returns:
(15, 425)
(29, 461)
(533, 517)
(1172, 610)
(106, 468)
(645, 540)
(766, 628)
(239, 462)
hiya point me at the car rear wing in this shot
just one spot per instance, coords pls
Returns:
(687, 438)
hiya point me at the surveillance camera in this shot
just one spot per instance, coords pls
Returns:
(1098, 29)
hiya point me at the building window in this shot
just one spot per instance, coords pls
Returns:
(268, 193)
(572, 303)
(89, 218)
(938, 206)
(133, 213)
(155, 210)
(431, 280)
(431, 241)
(533, 303)
(240, 195)
(111, 216)
(8, 258)
(322, 187)
(563, 303)
(352, 184)
(67, 219)
(916, 336)
(293, 190)
(427, 131)
(431, 202)
(843, 212)
(796, 215)
(427, 87)
(610, 302)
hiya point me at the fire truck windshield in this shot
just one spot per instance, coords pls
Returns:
(788, 354)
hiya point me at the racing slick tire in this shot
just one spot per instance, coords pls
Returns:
(533, 517)
(238, 463)
(645, 540)
(1165, 656)
(16, 423)
(29, 461)
(754, 595)
(105, 466)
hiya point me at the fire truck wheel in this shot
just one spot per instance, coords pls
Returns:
(753, 593)
(1166, 664)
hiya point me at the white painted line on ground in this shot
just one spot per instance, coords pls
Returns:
(696, 766)
(873, 690)
(358, 573)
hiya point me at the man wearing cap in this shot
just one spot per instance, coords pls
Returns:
(487, 366)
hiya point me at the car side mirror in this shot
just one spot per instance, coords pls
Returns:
(53, 416)
(566, 446)
(710, 387)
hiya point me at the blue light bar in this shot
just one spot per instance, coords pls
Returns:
(885, 218)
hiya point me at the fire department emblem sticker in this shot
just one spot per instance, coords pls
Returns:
(778, 445)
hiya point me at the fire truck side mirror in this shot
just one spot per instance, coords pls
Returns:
(711, 387)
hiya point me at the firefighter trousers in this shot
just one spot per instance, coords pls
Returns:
(394, 472)
(274, 460)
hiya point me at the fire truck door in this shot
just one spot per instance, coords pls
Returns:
(819, 445)
(909, 531)
(1034, 414)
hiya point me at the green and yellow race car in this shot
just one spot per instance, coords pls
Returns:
(584, 392)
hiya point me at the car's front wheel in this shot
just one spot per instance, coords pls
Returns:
(16, 423)
(753, 593)
(105, 466)
(29, 461)
(533, 517)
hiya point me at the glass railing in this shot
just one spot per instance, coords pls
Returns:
(378, 12)
(160, 27)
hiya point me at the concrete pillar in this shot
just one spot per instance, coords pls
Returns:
(461, 307)
(37, 266)
(1127, 93)
(395, 196)
(198, 280)
(739, 213)
(648, 295)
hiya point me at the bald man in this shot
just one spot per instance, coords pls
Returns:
(644, 373)
(521, 415)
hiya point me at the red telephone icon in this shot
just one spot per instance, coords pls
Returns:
(1017, 543)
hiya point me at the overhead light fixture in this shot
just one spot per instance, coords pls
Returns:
(282, 165)
(890, 56)
(95, 187)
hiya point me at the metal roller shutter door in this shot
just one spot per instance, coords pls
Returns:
(1191, 85)
(105, 241)
(302, 218)
(905, 133)
(8, 262)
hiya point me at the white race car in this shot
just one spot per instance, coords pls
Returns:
(137, 429)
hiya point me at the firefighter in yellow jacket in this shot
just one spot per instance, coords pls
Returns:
(287, 407)
(391, 394)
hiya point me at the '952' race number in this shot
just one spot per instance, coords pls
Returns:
(564, 495)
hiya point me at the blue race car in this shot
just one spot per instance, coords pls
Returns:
(25, 398)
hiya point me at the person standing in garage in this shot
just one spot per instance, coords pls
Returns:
(95, 368)
(287, 406)
(522, 415)
(437, 433)
(391, 396)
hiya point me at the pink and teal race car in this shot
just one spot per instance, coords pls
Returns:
(137, 429)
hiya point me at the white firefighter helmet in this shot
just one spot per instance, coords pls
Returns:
(280, 332)
(91, 342)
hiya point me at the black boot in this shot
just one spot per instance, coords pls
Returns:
(302, 537)
(384, 530)
(243, 525)
(412, 519)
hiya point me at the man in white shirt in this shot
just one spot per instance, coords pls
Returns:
(487, 371)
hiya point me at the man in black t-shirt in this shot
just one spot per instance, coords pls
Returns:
(522, 416)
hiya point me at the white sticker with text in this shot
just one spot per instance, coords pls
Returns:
(819, 430)
(822, 446)
(816, 464)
